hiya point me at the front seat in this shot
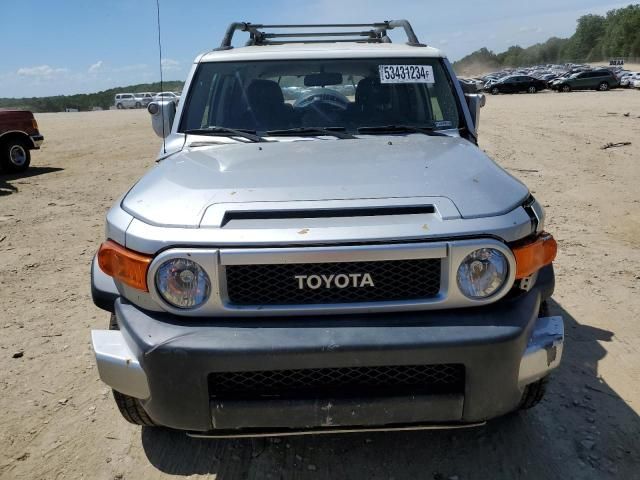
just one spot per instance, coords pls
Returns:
(373, 103)
(267, 108)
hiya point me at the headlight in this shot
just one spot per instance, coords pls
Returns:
(482, 273)
(183, 283)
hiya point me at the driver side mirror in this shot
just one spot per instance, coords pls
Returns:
(162, 114)
(475, 101)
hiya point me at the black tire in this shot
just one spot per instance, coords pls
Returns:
(138, 105)
(603, 87)
(532, 89)
(113, 322)
(119, 106)
(495, 91)
(533, 394)
(129, 407)
(131, 410)
(15, 155)
(565, 88)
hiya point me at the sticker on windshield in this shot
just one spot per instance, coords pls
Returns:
(406, 74)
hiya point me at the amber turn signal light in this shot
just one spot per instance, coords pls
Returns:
(124, 265)
(532, 256)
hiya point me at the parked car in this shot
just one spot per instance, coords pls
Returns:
(145, 98)
(471, 85)
(602, 80)
(620, 74)
(166, 96)
(19, 135)
(516, 84)
(127, 100)
(627, 80)
(259, 285)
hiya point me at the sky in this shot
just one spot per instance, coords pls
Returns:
(78, 46)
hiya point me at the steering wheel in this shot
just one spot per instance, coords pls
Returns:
(323, 98)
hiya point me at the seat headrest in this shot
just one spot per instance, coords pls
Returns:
(371, 92)
(265, 93)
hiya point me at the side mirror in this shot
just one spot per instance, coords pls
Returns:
(475, 101)
(162, 114)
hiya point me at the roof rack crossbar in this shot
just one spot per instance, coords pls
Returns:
(378, 34)
(370, 33)
(341, 40)
(323, 25)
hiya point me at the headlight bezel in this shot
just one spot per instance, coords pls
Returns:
(459, 252)
(496, 258)
(206, 259)
(188, 268)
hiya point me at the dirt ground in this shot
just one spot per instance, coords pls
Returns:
(59, 421)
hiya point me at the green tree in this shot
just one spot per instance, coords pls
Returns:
(596, 38)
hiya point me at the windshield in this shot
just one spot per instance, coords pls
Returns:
(262, 96)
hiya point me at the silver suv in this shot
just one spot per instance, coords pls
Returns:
(323, 247)
(146, 98)
(127, 100)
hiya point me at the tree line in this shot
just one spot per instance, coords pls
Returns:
(597, 38)
(84, 102)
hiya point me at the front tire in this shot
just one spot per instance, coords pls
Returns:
(532, 89)
(495, 91)
(533, 394)
(129, 407)
(138, 105)
(15, 156)
(603, 87)
(565, 88)
(131, 410)
(119, 106)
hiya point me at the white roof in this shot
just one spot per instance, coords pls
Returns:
(299, 51)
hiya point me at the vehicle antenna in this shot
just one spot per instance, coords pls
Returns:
(164, 136)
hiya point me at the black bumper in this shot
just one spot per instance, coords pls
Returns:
(178, 355)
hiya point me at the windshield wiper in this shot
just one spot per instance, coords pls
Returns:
(227, 132)
(338, 132)
(382, 129)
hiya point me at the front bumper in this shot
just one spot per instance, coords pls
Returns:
(166, 362)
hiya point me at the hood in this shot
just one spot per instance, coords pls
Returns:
(178, 191)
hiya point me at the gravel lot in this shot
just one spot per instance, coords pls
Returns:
(59, 421)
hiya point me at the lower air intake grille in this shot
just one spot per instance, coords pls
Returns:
(340, 382)
(331, 283)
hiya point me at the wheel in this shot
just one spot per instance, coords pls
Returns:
(119, 106)
(129, 407)
(131, 410)
(532, 89)
(565, 88)
(495, 91)
(138, 105)
(15, 155)
(533, 394)
(603, 87)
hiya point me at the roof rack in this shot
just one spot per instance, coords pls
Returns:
(377, 33)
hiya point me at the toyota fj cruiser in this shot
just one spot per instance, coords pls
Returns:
(323, 247)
